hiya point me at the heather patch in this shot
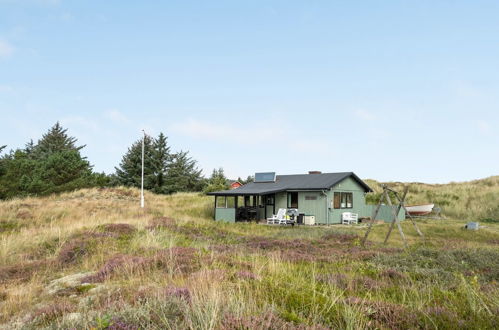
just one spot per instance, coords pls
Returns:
(264, 321)
(442, 316)
(387, 315)
(152, 313)
(193, 231)
(75, 249)
(393, 275)
(161, 223)
(246, 275)
(229, 260)
(340, 238)
(178, 292)
(176, 260)
(179, 259)
(118, 264)
(117, 323)
(333, 248)
(117, 229)
(442, 264)
(47, 314)
(23, 271)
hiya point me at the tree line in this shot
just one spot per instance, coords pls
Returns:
(54, 164)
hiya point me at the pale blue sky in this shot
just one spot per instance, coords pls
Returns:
(392, 90)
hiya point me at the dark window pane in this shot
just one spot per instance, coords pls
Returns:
(221, 202)
(293, 200)
(349, 198)
(336, 200)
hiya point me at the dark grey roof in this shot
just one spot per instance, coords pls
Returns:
(293, 182)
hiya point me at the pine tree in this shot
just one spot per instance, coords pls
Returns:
(161, 162)
(129, 173)
(55, 140)
(183, 174)
(29, 148)
(217, 181)
(2, 162)
(249, 179)
(54, 164)
(164, 173)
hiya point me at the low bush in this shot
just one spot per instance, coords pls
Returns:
(442, 264)
(47, 314)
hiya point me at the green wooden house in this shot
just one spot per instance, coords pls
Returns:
(323, 196)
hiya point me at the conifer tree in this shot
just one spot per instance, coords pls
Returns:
(161, 162)
(249, 179)
(129, 172)
(54, 164)
(217, 181)
(55, 140)
(183, 174)
(2, 161)
(164, 172)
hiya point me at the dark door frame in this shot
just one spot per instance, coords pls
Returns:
(265, 203)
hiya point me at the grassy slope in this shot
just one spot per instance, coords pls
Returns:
(186, 271)
(473, 200)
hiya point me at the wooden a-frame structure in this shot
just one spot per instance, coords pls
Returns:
(395, 211)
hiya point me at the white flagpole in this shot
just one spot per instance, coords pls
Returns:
(142, 182)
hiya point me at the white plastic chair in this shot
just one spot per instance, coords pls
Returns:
(276, 218)
(347, 218)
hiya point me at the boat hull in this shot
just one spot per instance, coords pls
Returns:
(419, 209)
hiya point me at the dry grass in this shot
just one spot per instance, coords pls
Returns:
(171, 266)
(471, 200)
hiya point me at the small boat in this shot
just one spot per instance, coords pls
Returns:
(422, 209)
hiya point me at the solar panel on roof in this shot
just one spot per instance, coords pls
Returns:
(265, 177)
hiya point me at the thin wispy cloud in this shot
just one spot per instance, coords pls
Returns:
(6, 48)
(67, 17)
(226, 132)
(250, 135)
(6, 89)
(365, 115)
(116, 116)
(483, 127)
(81, 123)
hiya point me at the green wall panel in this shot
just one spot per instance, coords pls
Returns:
(227, 215)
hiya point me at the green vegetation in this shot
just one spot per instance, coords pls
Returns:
(164, 172)
(217, 181)
(93, 259)
(52, 165)
(473, 200)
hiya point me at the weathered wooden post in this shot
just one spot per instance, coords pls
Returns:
(395, 211)
(375, 214)
(394, 219)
